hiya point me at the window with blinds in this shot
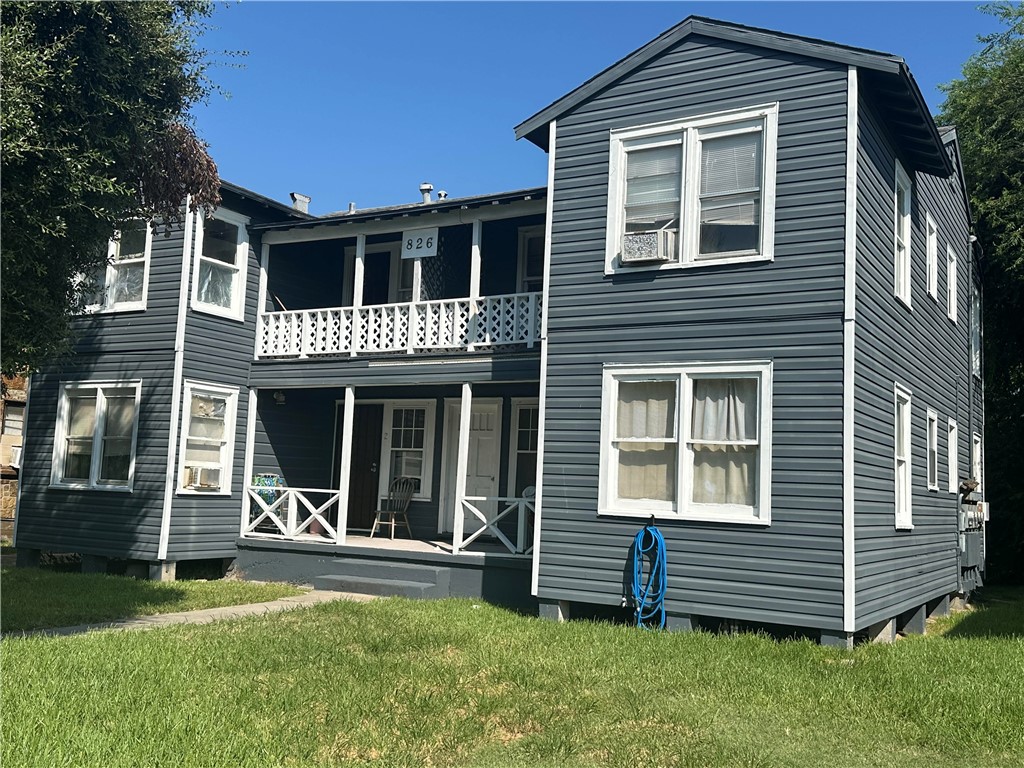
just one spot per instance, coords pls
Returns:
(693, 192)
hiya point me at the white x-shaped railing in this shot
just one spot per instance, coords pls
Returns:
(471, 509)
(276, 511)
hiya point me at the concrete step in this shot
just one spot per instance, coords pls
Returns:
(364, 585)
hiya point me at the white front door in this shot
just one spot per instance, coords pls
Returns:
(484, 457)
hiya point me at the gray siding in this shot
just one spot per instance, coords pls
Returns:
(927, 353)
(788, 311)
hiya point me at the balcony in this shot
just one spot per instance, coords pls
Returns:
(465, 324)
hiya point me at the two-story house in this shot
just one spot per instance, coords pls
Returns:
(745, 306)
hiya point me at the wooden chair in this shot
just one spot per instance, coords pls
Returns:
(395, 505)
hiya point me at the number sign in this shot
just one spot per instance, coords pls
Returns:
(419, 243)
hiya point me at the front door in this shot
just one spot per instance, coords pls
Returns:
(365, 475)
(484, 457)
(377, 278)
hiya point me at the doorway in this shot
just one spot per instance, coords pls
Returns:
(364, 479)
(484, 460)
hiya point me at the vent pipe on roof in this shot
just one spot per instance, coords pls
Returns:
(442, 195)
(425, 189)
(300, 202)
(351, 207)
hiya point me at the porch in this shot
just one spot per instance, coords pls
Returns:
(321, 460)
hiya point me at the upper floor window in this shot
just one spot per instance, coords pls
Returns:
(932, 247)
(687, 441)
(901, 429)
(932, 455)
(531, 259)
(94, 441)
(975, 330)
(951, 282)
(901, 235)
(208, 441)
(952, 458)
(976, 466)
(222, 248)
(694, 191)
(120, 284)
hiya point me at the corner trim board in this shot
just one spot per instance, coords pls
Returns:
(849, 348)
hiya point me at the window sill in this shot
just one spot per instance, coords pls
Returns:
(690, 518)
(697, 264)
(213, 309)
(187, 492)
(904, 301)
(85, 487)
(134, 307)
(904, 526)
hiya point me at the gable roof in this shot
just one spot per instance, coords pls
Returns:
(885, 75)
(266, 202)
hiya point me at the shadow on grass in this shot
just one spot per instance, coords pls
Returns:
(31, 598)
(998, 612)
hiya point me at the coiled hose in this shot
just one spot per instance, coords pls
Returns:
(649, 596)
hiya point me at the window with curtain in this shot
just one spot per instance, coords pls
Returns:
(94, 446)
(687, 441)
(706, 183)
(219, 278)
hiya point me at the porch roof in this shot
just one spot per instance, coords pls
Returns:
(409, 209)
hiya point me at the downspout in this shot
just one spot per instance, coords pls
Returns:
(176, 383)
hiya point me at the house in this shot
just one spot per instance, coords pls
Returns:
(746, 306)
(12, 420)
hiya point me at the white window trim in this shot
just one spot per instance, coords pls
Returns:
(977, 341)
(902, 224)
(953, 456)
(951, 281)
(394, 272)
(932, 444)
(682, 508)
(932, 250)
(518, 404)
(109, 307)
(688, 132)
(525, 234)
(237, 309)
(976, 461)
(60, 435)
(227, 450)
(904, 513)
(427, 480)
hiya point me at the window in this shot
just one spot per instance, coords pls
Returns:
(951, 282)
(120, 284)
(94, 442)
(693, 192)
(952, 458)
(976, 460)
(901, 203)
(523, 451)
(14, 418)
(531, 259)
(933, 451)
(222, 250)
(687, 441)
(208, 439)
(976, 330)
(932, 244)
(902, 454)
(409, 444)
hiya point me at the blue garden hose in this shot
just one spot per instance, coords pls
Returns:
(649, 597)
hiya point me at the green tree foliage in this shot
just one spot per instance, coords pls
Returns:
(987, 107)
(94, 124)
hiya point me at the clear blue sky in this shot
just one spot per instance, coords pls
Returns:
(363, 101)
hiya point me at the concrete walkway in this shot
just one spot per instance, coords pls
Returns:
(207, 616)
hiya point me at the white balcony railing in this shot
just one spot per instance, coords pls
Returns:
(455, 324)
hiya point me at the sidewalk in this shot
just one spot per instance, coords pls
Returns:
(207, 616)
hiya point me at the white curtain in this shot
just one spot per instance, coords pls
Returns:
(647, 470)
(724, 411)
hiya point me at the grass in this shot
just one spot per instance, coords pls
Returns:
(32, 599)
(458, 683)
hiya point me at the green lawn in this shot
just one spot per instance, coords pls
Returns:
(31, 598)
(403, 683)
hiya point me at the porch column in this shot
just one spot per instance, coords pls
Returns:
(261, 304)
(357, 291)
(462, 465)
(250, 442)
(345, 470)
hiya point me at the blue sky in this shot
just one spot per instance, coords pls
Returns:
(360, 102)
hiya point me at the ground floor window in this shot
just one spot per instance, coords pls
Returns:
(689, 441)
(409, 444)
(208, 431)
(94, 441)
(523, 450)
(901, 439)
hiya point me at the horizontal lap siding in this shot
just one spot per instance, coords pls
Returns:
(788, 311)
(928, 354)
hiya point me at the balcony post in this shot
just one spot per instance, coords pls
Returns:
(345, 471)
(458, 520)
(357, 291)
(261, 305)
(531, 330)
(475, 259)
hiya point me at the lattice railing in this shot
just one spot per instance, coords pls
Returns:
(514, 319)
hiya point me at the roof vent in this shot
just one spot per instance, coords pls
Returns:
(351, 207)
(442, 195)
(300, 202)
(425, 189)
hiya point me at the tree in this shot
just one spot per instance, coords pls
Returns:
(94, 119)
(987, 107)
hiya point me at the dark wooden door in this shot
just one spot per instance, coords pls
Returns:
(377, 278)
(365, 476)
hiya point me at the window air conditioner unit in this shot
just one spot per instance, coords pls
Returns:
(16, 457)
(202, 478)
(646, 247)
